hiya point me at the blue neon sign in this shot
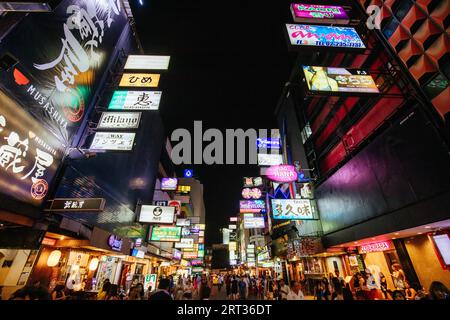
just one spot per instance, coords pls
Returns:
(188, 173)
(268, 143)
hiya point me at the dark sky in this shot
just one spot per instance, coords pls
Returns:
(229, 62)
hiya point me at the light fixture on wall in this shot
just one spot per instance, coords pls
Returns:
(53, 258)
(93, 264)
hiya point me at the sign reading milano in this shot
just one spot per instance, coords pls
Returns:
(61, 57)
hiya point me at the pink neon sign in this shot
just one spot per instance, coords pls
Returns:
(376, 247)
(282, 173)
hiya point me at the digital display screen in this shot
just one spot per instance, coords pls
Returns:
(327, 79)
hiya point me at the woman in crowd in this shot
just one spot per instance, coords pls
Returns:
(58, 293)
(383, 286)
(438, 291)
(410, 292)
(398, 276)
(136, 292)
(346, 292)
(326, 293)
(104, 290)
(113, 292)
(234, 288)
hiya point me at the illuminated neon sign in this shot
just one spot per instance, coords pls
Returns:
(324, 36)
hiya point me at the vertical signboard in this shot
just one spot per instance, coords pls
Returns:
(61, 57)
(29, 154)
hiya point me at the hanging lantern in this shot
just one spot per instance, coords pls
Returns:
(53, 258)
(93, 264)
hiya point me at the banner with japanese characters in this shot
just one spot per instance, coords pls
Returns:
(60, 58)
(301, 209)
(29, 154)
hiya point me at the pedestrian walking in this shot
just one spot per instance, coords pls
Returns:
(295, 293)
(234, 288)
(283, 290)
(228, 280)
(162, 293)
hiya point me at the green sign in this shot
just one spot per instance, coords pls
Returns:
(169, 234)
(150, 282)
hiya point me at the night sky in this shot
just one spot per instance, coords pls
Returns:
(229, 63)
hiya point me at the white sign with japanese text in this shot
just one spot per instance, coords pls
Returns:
(114, 141)
(135, 100)
(292, 209)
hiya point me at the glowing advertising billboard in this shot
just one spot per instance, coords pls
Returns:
(268, 143)
(324, 36)
(165, 234)
(311, 13)
(176, 254)
(185, 243)
(336, 80)
(183, 222)
(157, 214)
(113, 141)
(282, 173)
(119, 120)
(292, 209)
(29, 154)
(252, 206)
(147, 62)
(169, 184)
(58, 60)
(253, 182)
(269, 159)
(251, 193)
(141, 80)
(254, 223)
(135, 100)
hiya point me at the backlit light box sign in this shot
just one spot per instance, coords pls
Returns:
(165, 234)
(268, 143)
(269, 159)
(376, 247)
(252, 206)
(327, 79)
(168, 184)
(188, 173)
(113, 141)
(139, 80)
(232, 226)
(253, 182)
(324, 36)
(176, 254)
(147, 62)
(185, 243)
(254, 223)
(119, 120)
(156, 214)
(135, 100)
(311, 13)
(282, 173)
(251, 193)
(183, 222)
(233, 219)
(292, 209)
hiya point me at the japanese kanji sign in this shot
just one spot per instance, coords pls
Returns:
(62, 56)
(77, 205)
(292, 209)
(29, 154)
(135, 100)
(146, 80)
(114, 141)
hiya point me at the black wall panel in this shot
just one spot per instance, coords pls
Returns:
(404, 166)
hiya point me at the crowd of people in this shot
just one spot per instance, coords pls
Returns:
(361, 286)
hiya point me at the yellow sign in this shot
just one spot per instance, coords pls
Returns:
(145, 80)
